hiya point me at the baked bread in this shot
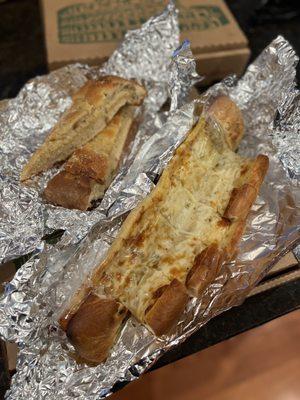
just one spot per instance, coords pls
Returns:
(197, 205)
(90, 169)
(94, 337)
(94, 105)
(73, 191)
(229, 116)
(173, 244)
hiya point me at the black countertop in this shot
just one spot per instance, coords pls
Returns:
(22, 56)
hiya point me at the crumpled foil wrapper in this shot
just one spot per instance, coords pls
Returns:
(25, 121)
(40, 289)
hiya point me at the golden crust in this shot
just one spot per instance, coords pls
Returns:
(205, 268)
(240, 201)
(243, 197)
(92, 330)
(86, 162)
(99, 158)
(229, 116)
(259, 170)
(162, 315)
(95, 92)
(72, 191)
(94, 105)
(235, 232)
(90, 169)
(207, 264)
(67, 314)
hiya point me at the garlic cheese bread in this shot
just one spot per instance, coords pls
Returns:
(94, 105)
(89, 171)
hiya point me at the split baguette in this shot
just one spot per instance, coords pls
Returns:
(90, 169)
(174, 243)
(94, 105)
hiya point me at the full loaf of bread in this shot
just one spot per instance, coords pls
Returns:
(172, 246)
(94, 105)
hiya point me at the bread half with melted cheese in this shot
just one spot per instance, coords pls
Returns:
(90, 170)
(172, 246)
(94, 105)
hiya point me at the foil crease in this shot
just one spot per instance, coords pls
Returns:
(183, 75)
(296, 252)
(25, 121)
(40, 289)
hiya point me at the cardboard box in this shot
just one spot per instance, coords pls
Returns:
(89, 30)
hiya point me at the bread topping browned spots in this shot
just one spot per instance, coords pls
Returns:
(127, 281)
(138, 239)
(139, 218)
(244, 169)
(176, 272)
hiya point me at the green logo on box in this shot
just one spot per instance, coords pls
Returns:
(109, 20)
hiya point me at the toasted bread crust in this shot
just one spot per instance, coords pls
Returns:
(89, 170)
(207, 264)
(243, 197)
(229, 116)
(259, 171)
(99, 158)
(71, 191)
(80, 296)
(240, 201)
(94, 105)
(93, 333)
(85, 162)
(205, 268)
(235, 233)
(167, 308)
(94, 92)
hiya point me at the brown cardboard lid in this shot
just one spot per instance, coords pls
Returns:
(92, 29)
(220, 30)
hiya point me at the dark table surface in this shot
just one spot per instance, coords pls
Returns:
(22, 56)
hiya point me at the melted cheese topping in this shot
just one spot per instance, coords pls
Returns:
(160, 239)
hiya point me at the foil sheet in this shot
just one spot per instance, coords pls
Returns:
(25, 121)
(40, 289)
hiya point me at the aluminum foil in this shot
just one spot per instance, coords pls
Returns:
(25, 121)
(36, 296)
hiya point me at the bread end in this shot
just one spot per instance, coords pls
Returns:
(229, 116)
(72, 191)
(94, 327)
